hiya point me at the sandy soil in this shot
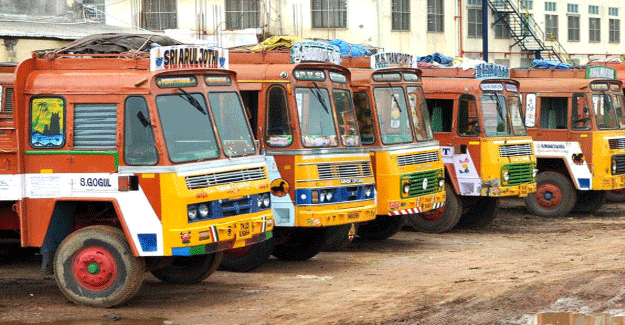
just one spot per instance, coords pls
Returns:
(517, 267)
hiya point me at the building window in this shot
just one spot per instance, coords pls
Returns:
(501, 28)
(593, 10)
(474, 2)
(475, 23)
(329, 13)
(550, 6)
(94, 10)
(528, 4)
(159, 15)
(401, 14)
(551, 27)
(435, 16)
(594, 29)
(573, 28)
(613, 11)
(572, 8)
(615, 31)
(242, 14)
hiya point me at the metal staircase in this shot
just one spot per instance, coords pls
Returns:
(526, 33)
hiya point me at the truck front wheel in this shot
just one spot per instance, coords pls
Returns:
(94, 266)
(188, 269)
(555, 195)
(247, 258)
(441, 219)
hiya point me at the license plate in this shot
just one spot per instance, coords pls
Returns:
(244, 229)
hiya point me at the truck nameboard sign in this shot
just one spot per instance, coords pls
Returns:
(315, 52)
(393, 60)
(188, 56)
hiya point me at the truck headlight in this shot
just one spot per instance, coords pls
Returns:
(203, 210)
(329, 195)
(368, 191)
(322, 196)
(441, 182)
(613, 166)
(191, 212)
(505, 176)
(266, 201)
(406, 188)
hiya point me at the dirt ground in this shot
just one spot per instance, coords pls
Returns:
(507, 273)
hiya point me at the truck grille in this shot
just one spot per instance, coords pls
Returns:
(620, 164)
(618, 143)
(524, 149)
(344, 170)
(416, 181)
(235, 176)
(417, 158)
(520, 173)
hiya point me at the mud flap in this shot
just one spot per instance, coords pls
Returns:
(60, 226)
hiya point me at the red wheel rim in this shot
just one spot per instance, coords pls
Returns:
(548, 195)
(237, 252)
(433, 215)
(94, 268)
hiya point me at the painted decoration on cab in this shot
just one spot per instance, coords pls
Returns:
(46, 122)
(279, 187)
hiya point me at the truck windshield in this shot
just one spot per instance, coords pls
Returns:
(495, 115)
(605, 115)
(617, 99)
(315, 117)
(236, 138)
(346, 117)
(516, 119)
(420, 114)
(187, 127)
(390, 104)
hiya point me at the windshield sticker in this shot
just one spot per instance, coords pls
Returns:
(315, 52)
(491, 70)
(530, 110)
(188, 56)
(512, 88)
(393, 60)
(46, 123)
(600, 72)
(491, 87)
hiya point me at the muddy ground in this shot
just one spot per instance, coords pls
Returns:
(507, 273)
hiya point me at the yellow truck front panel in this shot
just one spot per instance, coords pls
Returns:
(608, 160)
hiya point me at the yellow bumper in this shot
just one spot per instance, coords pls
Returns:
(334, 215)
(519, 190)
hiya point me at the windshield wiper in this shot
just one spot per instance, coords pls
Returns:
(320, 98)
(191, 100)
(392, 93)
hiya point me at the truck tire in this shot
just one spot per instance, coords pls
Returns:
(300, 244)
(247, 258)
(555, 195)
(188, 269)
(380, 228)
(339, 237)
(615, 196)
(441, 219)
(94, 266)
(480, 214)
(589, 201)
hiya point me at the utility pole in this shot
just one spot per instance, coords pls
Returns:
(485, 30)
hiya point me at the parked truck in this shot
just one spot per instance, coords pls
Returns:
(114, 164)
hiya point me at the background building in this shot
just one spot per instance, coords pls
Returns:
(518, 30)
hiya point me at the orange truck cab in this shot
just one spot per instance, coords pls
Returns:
(476, 116)
(300, 106)
(577, 120)
(395, 125)
(114, 164)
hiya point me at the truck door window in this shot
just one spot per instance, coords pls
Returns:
(553, 112)
(442, 112)
(139, 145)
(95, 126)
(279, 133)
(580, 114)
(235, 134)
(346, 117)
(365, 119)
(47, 122)
(468, 122)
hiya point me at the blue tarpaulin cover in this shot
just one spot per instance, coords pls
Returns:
(348, 49)
(436, 57)
(546, 64)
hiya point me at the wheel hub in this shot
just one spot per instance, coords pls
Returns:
(548, 195)
(94, 268)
